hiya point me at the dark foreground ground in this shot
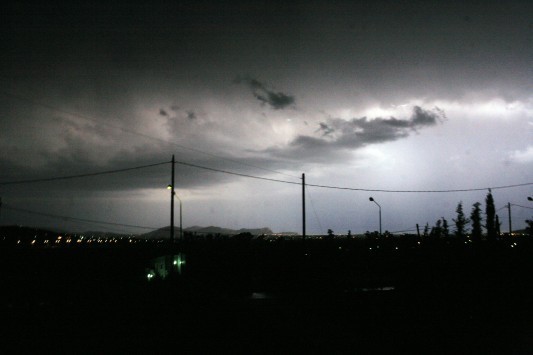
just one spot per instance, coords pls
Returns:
(263, 297)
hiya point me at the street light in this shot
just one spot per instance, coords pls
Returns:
(372, 200)
(530, 198)
(174, 194)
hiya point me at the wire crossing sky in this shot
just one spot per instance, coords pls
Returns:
(56, 178)
(420, 105)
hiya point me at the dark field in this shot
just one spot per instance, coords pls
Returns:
(324, 296)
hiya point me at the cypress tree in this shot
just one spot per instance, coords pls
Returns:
(475, 217)
(461, 222)
(498, 225)
(529, 227)
(490, 213)
(445, 229)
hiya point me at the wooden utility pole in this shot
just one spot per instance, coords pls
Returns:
(172, 202)
(510, 228)
(303, 206)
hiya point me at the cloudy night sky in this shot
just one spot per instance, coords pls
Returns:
(365, 95)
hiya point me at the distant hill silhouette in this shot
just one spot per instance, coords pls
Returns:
(15, 232)
(165, 231)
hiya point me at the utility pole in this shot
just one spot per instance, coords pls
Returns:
(303, 206)
(510, 229)
(172, 202)
(181, 221)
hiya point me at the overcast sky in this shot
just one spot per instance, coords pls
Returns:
(366, 95)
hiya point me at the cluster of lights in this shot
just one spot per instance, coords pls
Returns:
(62, 240)
(178, 262)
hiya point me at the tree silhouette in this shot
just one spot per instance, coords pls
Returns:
(475, 217)
(436, 231)
(529, 228)
(426, 230)
(490, 213)
(461, 222)
(445, 229)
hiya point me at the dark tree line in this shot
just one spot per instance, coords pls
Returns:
(475, 221)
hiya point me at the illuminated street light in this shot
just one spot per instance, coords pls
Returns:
(372, 200)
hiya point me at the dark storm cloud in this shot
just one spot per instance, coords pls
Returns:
(276, 100)
(324, 128)
(191, 115)
(339, 134)
(175, 118)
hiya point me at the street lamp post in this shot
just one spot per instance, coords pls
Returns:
(372, 200)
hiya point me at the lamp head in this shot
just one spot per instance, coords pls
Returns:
(169, 187)
(371, 199)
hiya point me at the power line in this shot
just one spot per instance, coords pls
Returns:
(236, 174)
(403, 231)
(80, 175)
(351, 188)
(421, 191)
(529, 208)
(125, 130)
(262, 178)
(75, 218)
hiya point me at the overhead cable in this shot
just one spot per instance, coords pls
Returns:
(529, 208)
(8, 207)
(261, 178)
(80, 175)
(236, 174)
(421, 191)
